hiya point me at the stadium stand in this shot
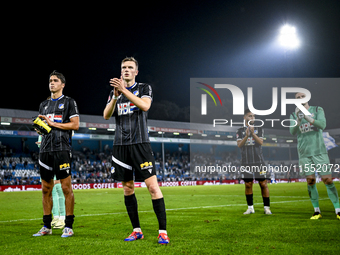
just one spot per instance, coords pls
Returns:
(178, 148)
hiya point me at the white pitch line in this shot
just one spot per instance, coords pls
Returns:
(172, 209)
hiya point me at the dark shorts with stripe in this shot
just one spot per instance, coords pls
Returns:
(253, 171)
(56, 163)
(133, 162)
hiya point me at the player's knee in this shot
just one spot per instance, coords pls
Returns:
(248, 185)
(327, 180)
(66, 190)
(47, 191)
(310, 181)
(154, 189)
(263, 184)
(129, 188)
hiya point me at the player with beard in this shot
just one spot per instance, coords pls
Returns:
(250, 140)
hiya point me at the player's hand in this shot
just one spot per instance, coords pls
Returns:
(299, 114)
(251, 129)
(118, 84)
(247, 132)
(47, 120)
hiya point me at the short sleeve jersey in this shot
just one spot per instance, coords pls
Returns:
(251, 151)
(310, 140)
(131, 122)
(60, 110)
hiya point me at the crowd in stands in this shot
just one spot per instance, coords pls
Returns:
(95, 167)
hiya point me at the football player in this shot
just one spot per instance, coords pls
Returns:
(313, 154)
(132, 159)
(250, 140)
(61, 116)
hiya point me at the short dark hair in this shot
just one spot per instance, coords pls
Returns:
(131, 59)
(246, 111)
(59, 75)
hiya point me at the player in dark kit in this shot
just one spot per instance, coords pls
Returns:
(61, 115)
(129, 102)
(250, 140)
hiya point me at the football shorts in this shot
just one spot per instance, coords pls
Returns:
(253, 171)
(133, 162)
(319, 163)
(56, 164)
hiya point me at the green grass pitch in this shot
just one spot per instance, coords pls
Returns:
(201, 220)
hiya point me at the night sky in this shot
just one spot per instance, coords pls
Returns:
(172, 42)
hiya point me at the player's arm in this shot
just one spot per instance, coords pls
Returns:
(72, 125)
(320, 120)
(142, 103)
(293, 129)
(111, 105)
(241, 142)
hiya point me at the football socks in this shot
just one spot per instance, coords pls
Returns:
(314, 195)
(159, 208)
(266, 201)
(69, 221)
(333, 195)
(249, 199)
(47, 219)
(132, 210)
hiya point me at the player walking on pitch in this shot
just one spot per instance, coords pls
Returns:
(129, 102)
(313, 154)
(61, 115)
(250, 140)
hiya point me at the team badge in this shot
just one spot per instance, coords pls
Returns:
(136, 93)
(61, 106)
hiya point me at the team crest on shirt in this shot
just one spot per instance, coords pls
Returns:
(61, 106)
(136, 93)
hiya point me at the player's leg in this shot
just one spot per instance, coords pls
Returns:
(332, 193)
(314, 196)
(308, 170)
(55, 208)
(122, 171)
(158, 207)
(248, 183)
(61, 205)
(265, 195)
(47, 187)
(47, 183)
(66, 186)
(146, 171)
(324, 170)
(132, 210)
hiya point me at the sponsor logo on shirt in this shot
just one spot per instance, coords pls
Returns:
(55, 118)
(126, 108)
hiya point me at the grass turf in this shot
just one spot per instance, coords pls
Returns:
(201, 220)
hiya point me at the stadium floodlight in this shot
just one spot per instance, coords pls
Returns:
(288, 37)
